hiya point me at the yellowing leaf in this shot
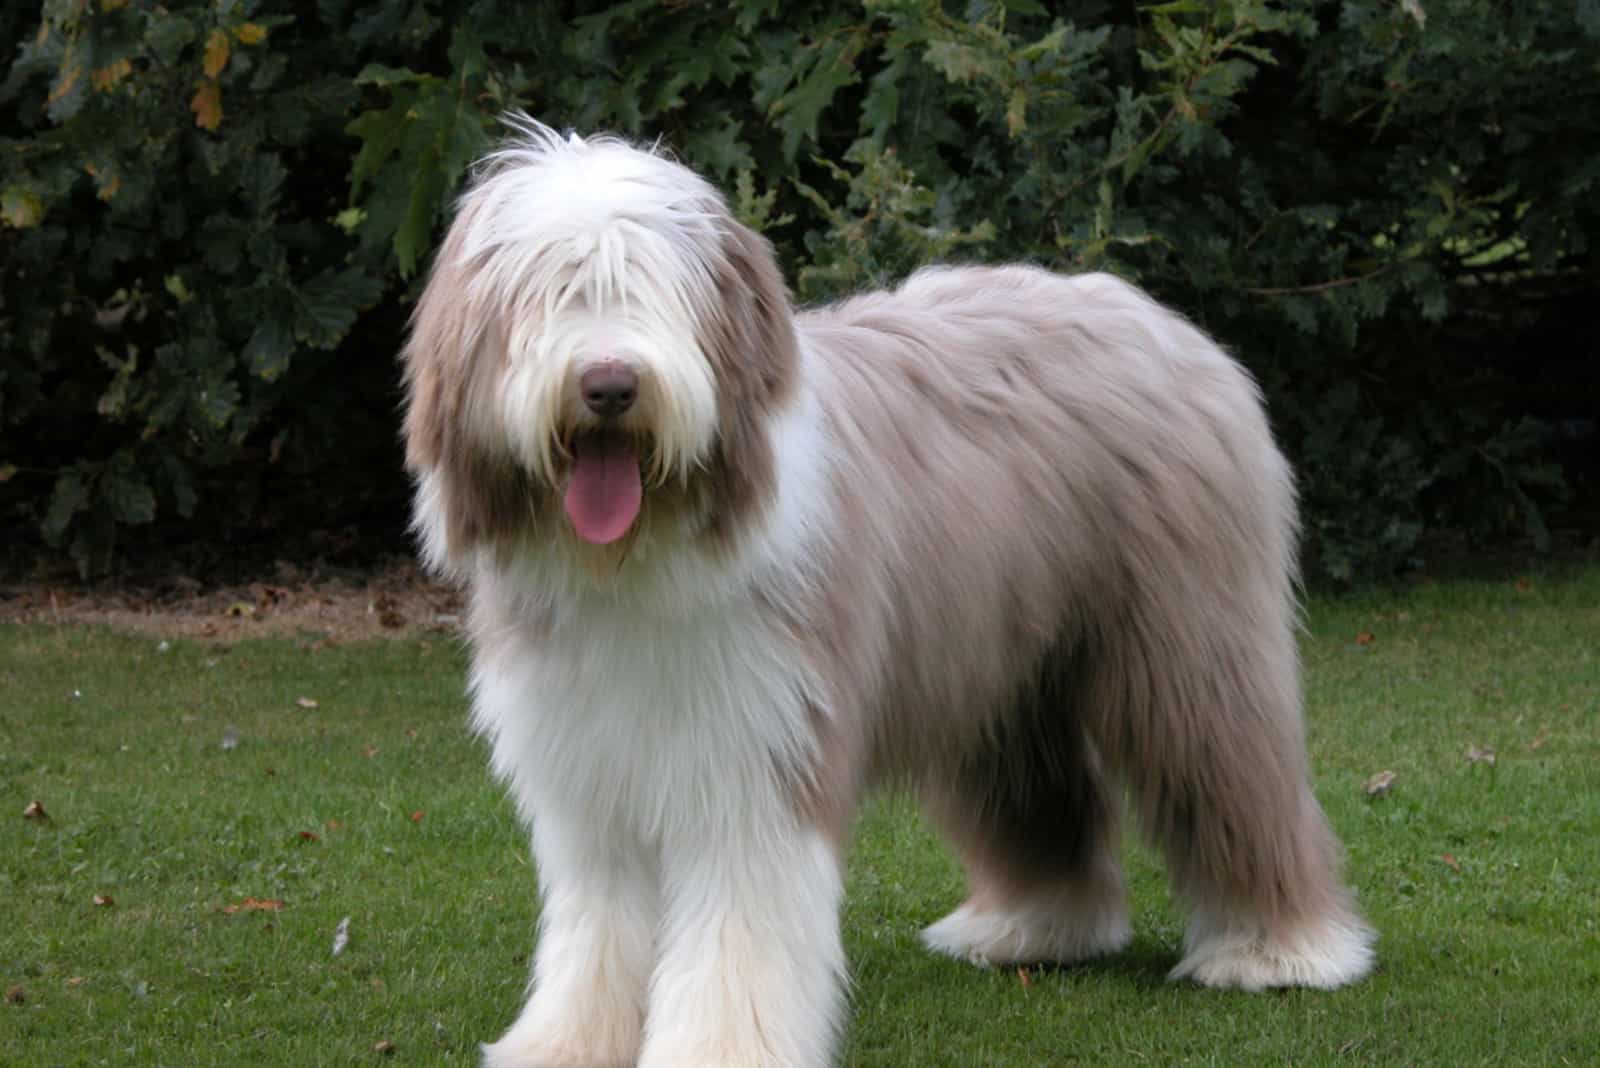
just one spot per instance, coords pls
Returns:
(65, 80)
(106, 79)
(20, 208)
(107, 184)
(1017, 111)
(216, 53)
(207, 105)
(250, 33)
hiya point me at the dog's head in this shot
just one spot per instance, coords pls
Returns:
(600, 341)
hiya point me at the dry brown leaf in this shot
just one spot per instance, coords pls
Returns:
(305, 702)
(1379, 784)
(370, 751)
(76, 980)
(388, 611)
(1451, 862)
(309, 836)
(255, 904)
(1524, 586)
(207, 105)
(1539, 741)
(1480, 756)
(1366, 637)
(416, 817)
(35, 811)
(104, 901)
(411, 732)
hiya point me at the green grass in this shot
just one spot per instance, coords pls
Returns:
(1491, 956)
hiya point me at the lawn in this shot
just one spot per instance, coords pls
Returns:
(212, 814)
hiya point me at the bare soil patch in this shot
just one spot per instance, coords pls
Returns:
(396, 601)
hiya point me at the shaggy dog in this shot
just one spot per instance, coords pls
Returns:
(1011, 540)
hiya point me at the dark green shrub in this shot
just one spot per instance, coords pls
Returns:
(215, 217)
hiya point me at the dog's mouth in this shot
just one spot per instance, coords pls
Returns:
(605, 486)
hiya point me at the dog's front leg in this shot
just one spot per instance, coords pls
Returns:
(750, 968)
(599, 906)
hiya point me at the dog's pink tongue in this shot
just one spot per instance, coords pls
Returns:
(604, 493)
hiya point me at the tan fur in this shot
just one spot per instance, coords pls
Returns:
(1091, 535)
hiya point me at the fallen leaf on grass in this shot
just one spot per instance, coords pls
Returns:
(1539, 742)
(254, 904)
(309, 836)
(1379, 784)
(1480, 756)
(411, 732)
(383, 1046)
(76, 980)
(15, 995)
(370, 751)
(305, 702)
(35, 811)
(416, 817)
(1366, 637)
(104, 901)
(341, 936)
(1451, 862)
(1524, 586)
(388, 611)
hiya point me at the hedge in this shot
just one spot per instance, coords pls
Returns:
(215, 217)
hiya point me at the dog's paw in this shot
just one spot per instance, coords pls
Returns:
(528, 1051)
(544, 1036)
(1324, 954)
(1028, 935)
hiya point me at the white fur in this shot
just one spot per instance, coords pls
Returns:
(1224, 951)
(1059, 930)
(663, 837)
(590, 256)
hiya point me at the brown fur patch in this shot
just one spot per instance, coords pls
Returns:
(748, 336)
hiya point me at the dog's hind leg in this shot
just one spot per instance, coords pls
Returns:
(1200, 713)
(1034, 822)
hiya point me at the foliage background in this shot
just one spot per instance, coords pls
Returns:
(215, 215)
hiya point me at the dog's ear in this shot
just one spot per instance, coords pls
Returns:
(475, 492)
(751, 343)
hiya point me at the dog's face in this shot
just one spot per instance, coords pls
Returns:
(599, 339)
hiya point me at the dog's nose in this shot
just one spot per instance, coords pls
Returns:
(609, 389)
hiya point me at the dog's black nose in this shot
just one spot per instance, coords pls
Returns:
(609, 389)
